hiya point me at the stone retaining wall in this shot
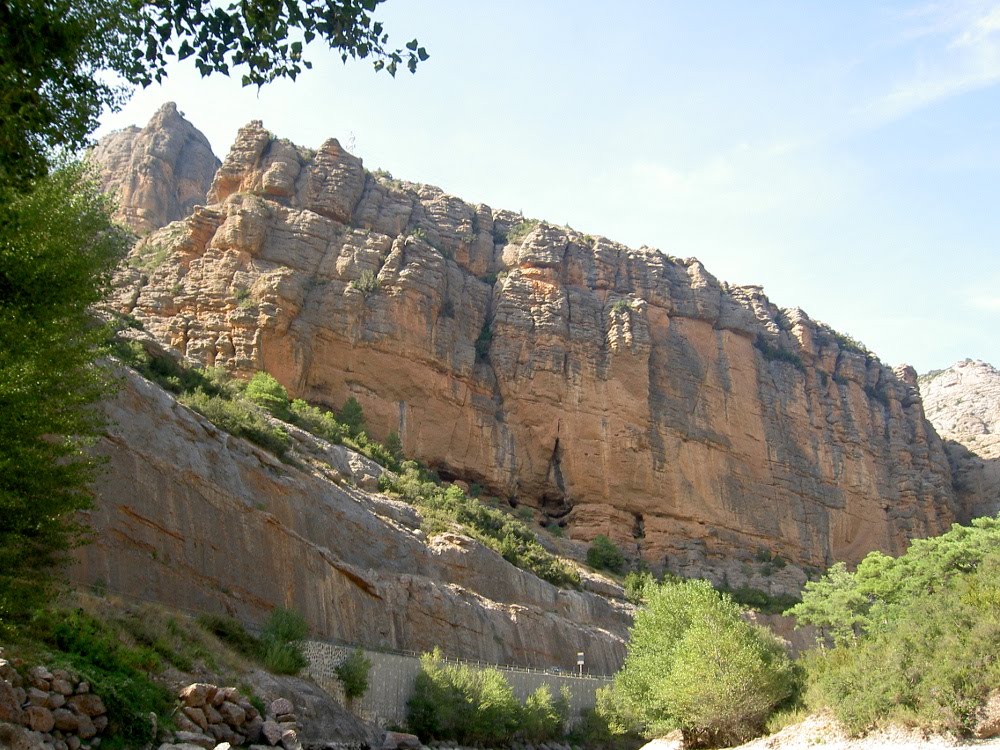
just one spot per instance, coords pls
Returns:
(392, 676)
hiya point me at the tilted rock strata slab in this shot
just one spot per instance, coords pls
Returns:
(191, 516)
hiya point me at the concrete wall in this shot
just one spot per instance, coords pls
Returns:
(393, 674)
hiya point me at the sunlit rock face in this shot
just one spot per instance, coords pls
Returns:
(616, 391)
(158, 173)
(963, 404)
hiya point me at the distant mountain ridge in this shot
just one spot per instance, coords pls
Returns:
(611, 390)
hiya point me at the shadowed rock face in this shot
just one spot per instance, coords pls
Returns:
(963, 404)
(158, 173)
(618, 391)
(192, 517)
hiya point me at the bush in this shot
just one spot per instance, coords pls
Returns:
(849, 605)
(445, 507)
(916, 636)
(279, 647)
(265, 391)
(281, 642)
(636, 585)
(693, 664)
(116, 672)
(366, 283)
(317, 421)
(231, 632)
(459, 703)
(241, 418)
(544, 717)
(353, 674)
(352, 416)
(604, 555)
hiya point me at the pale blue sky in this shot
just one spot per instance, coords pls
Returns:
(845, 155)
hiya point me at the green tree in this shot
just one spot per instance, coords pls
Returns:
(457, 702)
(932, 663)
(52, 52)
(265, 391)
(57, 252)
(693, 664)
(353, 674)
(849, 604)
(604, 555)
(352, 415)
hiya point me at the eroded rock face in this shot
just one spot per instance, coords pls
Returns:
(619, 391)
(963, 404)
(158, 173)
(192, 517)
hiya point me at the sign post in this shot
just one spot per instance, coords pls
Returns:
(579, 661)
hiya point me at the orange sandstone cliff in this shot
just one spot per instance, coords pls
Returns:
(613, 390)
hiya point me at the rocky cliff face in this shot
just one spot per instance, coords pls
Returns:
(615, 390)
(963, 404)
(158, 173)
(195, 518)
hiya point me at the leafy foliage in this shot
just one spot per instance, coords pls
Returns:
(932, 665)
(917, 637)
(57, 252)
(693, 664)
(636, 584)
(603, 554)
(470, 706)
(241, 418)
(265, 391)
(352, 416)
(52, 53)
(849, 604)
(116, 672)
(281, 642)
(279, 647)
(443, 507)
(353, 674)
(777, 353)
(366, 283)
(483, 342)
(521, 230)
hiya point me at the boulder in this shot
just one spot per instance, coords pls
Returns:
(10, 706)
(88, 704)
(196, 694)
(40, 719)
(988, 718)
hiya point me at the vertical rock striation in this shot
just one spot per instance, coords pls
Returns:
(617, 390)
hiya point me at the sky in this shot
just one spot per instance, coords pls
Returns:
(844, 155)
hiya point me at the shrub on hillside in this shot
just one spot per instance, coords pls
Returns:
(604, 555)
(693, 664)
(239, 417)
(115, 671)
(281, 642)
(849, 605)
(444, 507)
(317, 421)
(917, 637)
(265, 391)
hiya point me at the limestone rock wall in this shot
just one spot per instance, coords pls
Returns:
(192, 517)
(617, 390)
(158, 173)
(963, 404)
